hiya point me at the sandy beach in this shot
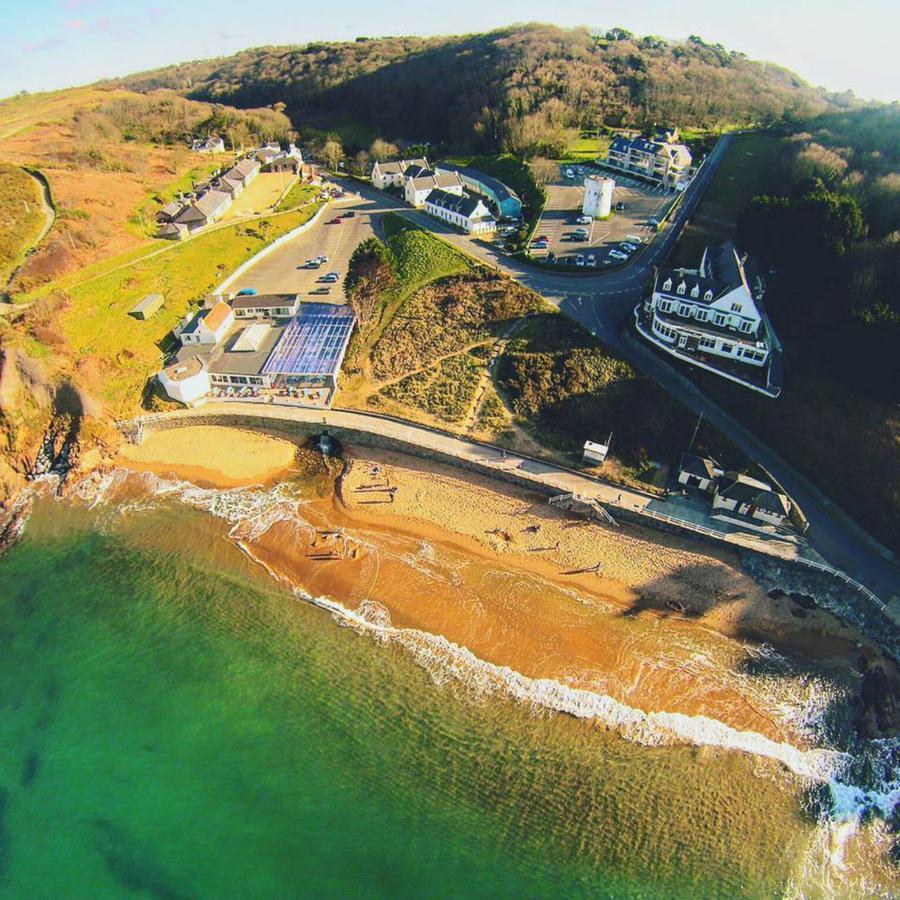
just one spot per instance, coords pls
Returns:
(656, 620)
(211, 455)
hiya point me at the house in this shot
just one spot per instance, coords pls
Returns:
(503, 199)
(390, 174)
(148, 307)
(713, 317)
(262, 306)
(211, 144)
(173, 231)
(468, 213)
(208, 326)
(661, 161)
(699, 471)
(204, 210)
(187, 382)
(241, 174)
(417, 187)
(750, 498)
(169, 211)
(266, 154)
(289, 164)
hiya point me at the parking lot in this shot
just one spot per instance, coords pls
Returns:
(559, 220)
(284, 272)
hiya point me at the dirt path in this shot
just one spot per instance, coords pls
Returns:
(49, 218)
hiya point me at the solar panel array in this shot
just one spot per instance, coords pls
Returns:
(314, 342)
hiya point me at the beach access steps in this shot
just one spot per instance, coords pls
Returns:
(594, 506)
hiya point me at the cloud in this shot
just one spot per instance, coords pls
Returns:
(42, 45)
(76, 24)
(75, 5)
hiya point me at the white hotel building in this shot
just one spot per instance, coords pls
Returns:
(711, 317)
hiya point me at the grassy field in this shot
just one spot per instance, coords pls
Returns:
(297, 196)
(21, 217)
(87, 326)
(586, 149)
(144, 218)
(749, 168)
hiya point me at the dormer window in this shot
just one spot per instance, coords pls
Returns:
(736, 307)
(708, 296)
(695, 290)
(682, 288)
(667, 284)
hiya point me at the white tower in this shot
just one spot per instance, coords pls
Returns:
(598, 192)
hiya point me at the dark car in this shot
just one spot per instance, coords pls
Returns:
(349, 214)
(321, 290)
(620, 206)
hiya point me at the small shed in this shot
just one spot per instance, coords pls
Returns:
(148, 307)
(596, 453)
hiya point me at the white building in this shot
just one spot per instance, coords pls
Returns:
(212, 144)
(187, 382)
(709, 314)
(468, 213)
(264, 306)
(753, 499)
(208, 326)
(699, 471)
(598, 195)
(417, 187)
(661, 160)
(390, 174)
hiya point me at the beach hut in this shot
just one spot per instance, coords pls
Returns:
(148, 307)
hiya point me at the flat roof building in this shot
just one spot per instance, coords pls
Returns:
(148, 307)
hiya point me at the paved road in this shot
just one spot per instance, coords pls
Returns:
(603, 302)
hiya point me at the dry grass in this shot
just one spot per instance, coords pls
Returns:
(21, 217)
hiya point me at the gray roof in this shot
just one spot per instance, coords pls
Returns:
(211, 202)
(724, 264)
(748, 490)
(228, 361)
(463, 205)
(246, 167)
(399, 166)
(700, 466)
(263, 301)
(436, 180)
(493, 186)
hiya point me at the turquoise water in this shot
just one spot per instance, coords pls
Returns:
(176, 725)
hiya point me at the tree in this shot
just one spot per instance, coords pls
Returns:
(382, 150)
(362, 163)
(332, 154)
(544, 170)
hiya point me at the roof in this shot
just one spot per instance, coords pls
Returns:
(263, 301)
(497, 188)
(399, 166)
(229, 360)
(724, 264)
(210, 203)
(744, 489)
(181, 370)
(250, 339)
(433, 180)
(464, 205)
(246, 167)
(314, 341)
(172, 208)
(691, 281)
(150, 303)
(215, 317)
(700, 466)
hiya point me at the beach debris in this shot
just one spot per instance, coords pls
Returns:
(677, 606)
(596, 568)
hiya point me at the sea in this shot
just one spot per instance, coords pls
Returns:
(179, 720)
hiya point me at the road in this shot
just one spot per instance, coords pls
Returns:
(603, 302)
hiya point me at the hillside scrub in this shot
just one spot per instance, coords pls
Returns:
(527, 89)
(564, 385)
(21, 217)
(445, 390)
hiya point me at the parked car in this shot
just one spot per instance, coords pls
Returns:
(321, 290)
(584, 220)
(634, 239)
(543, 239)
(570, 173)
(312, 264)
(620, 206)
(628, 248)
(581, 231)
(246, 292)
(580, 236)
(321, 260)
(336, 221)
(618, 254)
(348, 214)
(579, 259)
(592, 261)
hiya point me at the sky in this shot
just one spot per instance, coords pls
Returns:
(48, 44)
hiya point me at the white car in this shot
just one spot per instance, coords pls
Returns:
(633, 239)
(570, 173)
(628, 248)
(583, 220)
(579, 260)
(618, 254)
(592, 261)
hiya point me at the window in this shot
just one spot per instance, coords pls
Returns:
(719, 319)
(695, 290)
(665, 305)
(708, 296)
(727, 348)
(746, 327)
(736, 307)
(707, 343)
(702, 314)
(667, 284)
(682, 288)
(684, 310)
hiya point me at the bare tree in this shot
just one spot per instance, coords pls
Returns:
(332, 154)
(382, 150)
(544, 170)
(362, 163)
